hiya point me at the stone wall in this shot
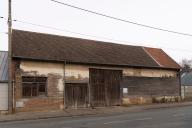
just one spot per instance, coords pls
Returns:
(55, 76)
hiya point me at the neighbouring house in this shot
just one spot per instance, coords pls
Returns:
(3, 81)
(57, 72)
(186, 84)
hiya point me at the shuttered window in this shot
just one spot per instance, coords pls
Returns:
(34, 86)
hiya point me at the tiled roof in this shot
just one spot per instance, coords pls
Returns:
(3, 66)
(32, 45)
(162, 58)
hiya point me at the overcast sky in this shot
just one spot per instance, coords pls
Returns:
(174, 15)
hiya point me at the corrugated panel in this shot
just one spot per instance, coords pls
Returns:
(3, 66)
(186, 80)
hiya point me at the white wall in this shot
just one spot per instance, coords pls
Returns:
(3, 96)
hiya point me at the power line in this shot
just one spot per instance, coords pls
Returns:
(177, 49)
(114, 40)
(119, 19)
(64, 30)
(3, 33)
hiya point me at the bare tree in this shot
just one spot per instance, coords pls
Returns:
(186, 66)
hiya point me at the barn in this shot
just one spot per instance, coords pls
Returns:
(3, 81)
(58, 72)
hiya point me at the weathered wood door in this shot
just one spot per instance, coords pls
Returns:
(76, 95)
(97, 82)
(112, 86)
(105, 87)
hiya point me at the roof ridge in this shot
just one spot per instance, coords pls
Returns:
(152, 57)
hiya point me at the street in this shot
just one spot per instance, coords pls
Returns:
(180, 117)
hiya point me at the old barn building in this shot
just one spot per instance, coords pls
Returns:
(56, 72)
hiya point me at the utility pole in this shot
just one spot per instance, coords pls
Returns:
(10, 83)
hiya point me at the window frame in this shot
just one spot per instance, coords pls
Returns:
(34, 84)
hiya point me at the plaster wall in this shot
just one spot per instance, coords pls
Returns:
(83, 71)
(149, 72)
(43, 69)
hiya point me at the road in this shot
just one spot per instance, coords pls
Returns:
(180, 117)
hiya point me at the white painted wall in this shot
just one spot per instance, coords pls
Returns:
(149, 72)
(3, 96)
(75, 70)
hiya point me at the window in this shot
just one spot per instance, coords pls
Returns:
(34, 86)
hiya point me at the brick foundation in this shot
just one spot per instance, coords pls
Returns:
(40, 104)
(133, 100)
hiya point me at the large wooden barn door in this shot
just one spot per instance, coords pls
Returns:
(105, 87)
(76, 95)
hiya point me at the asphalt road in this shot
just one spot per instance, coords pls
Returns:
(180, 117)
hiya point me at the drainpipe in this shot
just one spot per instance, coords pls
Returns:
(180, 83)
(184, 92)
(64, 99)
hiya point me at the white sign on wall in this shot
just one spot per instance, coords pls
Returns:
(19, 104)
(125, 90)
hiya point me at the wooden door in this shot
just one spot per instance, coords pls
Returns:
(105, 87)
(112, 86)
(76, 95)
(97, 82)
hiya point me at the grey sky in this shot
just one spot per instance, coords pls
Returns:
(169, 14)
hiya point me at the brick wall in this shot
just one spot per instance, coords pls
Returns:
(52, 101)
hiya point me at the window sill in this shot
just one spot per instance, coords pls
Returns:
(35, 97)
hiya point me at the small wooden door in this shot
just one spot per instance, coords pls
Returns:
(76, 95)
